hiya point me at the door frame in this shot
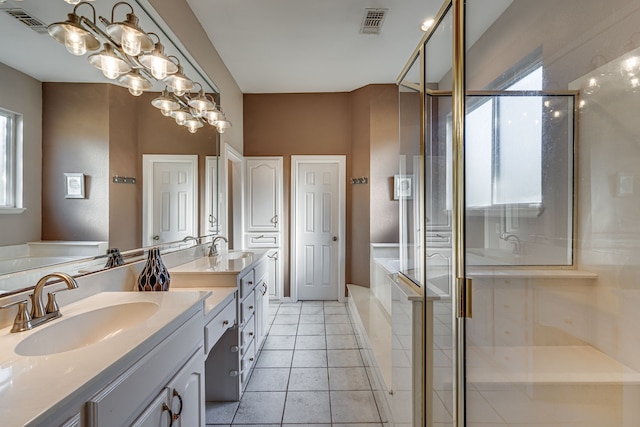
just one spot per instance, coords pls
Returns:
(341, 161)
(148, 161)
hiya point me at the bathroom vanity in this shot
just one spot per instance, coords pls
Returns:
(139, 358)
(231, 361)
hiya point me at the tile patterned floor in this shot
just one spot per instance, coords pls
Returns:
(310, 372)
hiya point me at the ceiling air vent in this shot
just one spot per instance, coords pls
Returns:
(372, 21)
(23, 16)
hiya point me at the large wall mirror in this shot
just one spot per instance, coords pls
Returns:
(81, 141)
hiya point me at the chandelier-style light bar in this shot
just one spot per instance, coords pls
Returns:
(130, 57)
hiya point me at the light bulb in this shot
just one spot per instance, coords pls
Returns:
(75, 43)
(220, 130)
(181, 117)
(135, 91)
(159, 68)
(109, 67)
(166, 113)
(131, 42)
(192, 129)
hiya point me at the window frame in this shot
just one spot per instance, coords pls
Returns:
(519, 72)
(13, 153)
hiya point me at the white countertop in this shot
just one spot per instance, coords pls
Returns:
(30, 386)
(220, 264)
(215, 302)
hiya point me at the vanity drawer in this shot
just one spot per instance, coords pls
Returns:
(261, 270)
(219, 324)
(247, 308)
(246, 363)
(247, 334)
(262, 240)
(247, 282)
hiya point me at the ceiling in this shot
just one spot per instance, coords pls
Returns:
(288, 46)
(269, 46)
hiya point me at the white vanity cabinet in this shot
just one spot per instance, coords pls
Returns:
(171, 376)
(178, 404)
(231, 361)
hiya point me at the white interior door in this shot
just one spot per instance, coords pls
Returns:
(170, 198)
(319, 216)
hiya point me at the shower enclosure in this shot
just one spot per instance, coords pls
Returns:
(518, 130)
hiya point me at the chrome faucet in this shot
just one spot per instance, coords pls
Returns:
(186, 239)
(213, 250)
(39, 313)
(516, 242)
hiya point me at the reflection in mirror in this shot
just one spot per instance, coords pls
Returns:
(521, 140)
(409, 171)
(64, 116)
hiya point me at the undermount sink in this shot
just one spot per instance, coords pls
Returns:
(85, 329)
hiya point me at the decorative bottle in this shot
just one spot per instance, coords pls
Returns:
(114, 258)
(154, 276)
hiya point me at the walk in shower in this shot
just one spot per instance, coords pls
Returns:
(519, 132)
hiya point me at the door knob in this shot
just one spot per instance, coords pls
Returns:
(334, 238)
(156, 237)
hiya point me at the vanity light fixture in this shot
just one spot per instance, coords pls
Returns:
(112, 65)
(135, 82)
(165, 103)
(182, 116)
(222, 123)
(72, 35)
(128, 34)
(180, 83)
(193, 124)
(130, 56)
(157, 61)
(200, 104)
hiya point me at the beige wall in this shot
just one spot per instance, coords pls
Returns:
(75, 138)
(180, 18)
(363, 125)
(22, 94)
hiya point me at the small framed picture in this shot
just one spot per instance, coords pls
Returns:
(402, 187)
(74, 186)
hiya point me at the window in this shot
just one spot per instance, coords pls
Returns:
(8, 159)
(504, 146)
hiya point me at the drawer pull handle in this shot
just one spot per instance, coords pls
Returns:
(251, 359)
(233, 373)
(166, 408)
(225, 323)
(250, 307)
(250, 282)
(234, 349)
(177, 416)
(250, 334)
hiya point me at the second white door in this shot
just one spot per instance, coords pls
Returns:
(319, 269)
(170, 198)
